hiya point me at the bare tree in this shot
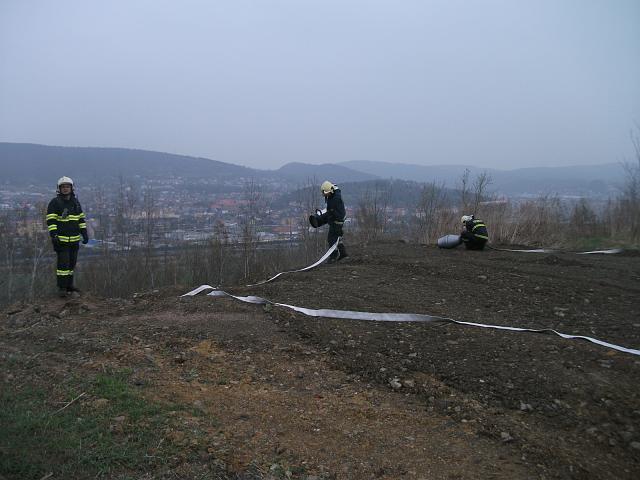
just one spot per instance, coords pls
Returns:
(371, 212)
(480, 185)
(465, 190)
(37, 237)
(121, 224)
(8, 246)
(307, 200)
(100, 215)
(150, 212)
(429, 210)
(630, 199)
(220, 247)
(583, 220)
(248, 219)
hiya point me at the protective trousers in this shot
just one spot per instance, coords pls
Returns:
(471, 242)
(67, 257)
(335, 232)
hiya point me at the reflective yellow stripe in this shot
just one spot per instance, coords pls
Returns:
(68, 218)
(52, 227)
(64, 273)
(83, 225)
(478, 225)
(482, 236)
(74, 238)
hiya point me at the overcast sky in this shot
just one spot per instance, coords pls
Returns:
(494, 83)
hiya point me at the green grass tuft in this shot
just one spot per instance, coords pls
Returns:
(86, 439)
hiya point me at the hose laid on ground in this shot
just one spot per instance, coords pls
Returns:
(395, 317)
(547, 250)
(452, 241)
(322, 259)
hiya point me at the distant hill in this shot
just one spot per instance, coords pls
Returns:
(25, 163)
(401, 193)
(303, 172)
(574, 180)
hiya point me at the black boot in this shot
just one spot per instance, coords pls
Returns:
(343, 252)
(74, 290)
(71, 289)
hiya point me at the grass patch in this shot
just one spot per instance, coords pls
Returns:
(599, 242)
(110, 429)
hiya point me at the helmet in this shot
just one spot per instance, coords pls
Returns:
(466, 218)
(327, 187)
(62, 180)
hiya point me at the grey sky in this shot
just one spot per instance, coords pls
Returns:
(496, 83)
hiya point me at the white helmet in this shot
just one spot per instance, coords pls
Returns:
(63, 180)
(466, 218)
(327, 187)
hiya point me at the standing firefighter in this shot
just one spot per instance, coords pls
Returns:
(335, 217)
(474, 233)
(66, 223)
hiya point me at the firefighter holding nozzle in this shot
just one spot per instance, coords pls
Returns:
(334, 215)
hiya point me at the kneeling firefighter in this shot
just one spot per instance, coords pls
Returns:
(334, 215)
(474, 234)
(66, 224)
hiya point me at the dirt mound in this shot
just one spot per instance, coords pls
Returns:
(264, 392)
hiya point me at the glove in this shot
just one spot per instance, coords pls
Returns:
(85, 238)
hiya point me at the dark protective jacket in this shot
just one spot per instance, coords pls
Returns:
(335, 207)
(66, 220)
(475, 232)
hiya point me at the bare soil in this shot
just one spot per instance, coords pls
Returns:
(315, 398)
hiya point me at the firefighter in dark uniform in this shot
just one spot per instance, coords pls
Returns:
(335, 217)
(474, 234)
(67, 225)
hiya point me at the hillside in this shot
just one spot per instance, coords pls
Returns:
(157, 386)
(399, 193)
(25, 164)
(303, 173)
(29, 163)
(589, 180)
(37, 164)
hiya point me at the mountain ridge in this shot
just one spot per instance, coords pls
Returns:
(577, 179)
(29, 161)
(25, 163)
(37, 163)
